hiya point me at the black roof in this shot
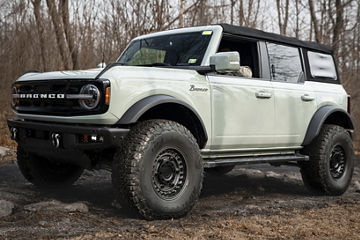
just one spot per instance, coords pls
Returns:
(273, 37)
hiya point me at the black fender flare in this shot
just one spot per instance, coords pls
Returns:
(319, 119)
(134, 113)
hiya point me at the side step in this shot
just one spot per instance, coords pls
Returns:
(274, 159)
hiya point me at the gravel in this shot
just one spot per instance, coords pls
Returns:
(6, 208)
(251, 202)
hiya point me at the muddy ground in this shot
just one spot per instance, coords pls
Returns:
(251, 202)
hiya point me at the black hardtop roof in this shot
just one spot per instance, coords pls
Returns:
(273, 37)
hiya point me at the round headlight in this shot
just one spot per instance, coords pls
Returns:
(92, 100)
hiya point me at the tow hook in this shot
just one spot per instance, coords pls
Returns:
(14, 133)
(55, 139)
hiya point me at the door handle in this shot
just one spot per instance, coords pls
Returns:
(263, 94)
(307, 98)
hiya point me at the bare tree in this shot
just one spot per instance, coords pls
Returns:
(283, 15)
(241, 13)
(297, 15)
(314, 20)
(40, 31)
(59, 32)
(181, 14)
(232, 5)
(64, 12)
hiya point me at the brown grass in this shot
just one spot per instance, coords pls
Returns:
(5, 114)
(332, 222)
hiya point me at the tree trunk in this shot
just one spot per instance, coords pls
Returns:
(59, 33)
(202, 15)
(297, 29)
(282, 22)
(40, 31)
(181, 14)
(232, 11)
(68, 35)
(339, 24)
(241, 13)
(314, 21)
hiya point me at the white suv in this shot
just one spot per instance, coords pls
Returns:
(179, 101)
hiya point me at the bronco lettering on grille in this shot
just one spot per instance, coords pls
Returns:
(40, 95)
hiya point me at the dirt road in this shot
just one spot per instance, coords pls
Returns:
(253, 202)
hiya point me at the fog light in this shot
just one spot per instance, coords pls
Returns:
(93, 138)
(85, 138)
(96, 139)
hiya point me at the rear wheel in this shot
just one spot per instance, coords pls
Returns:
(158, 171)
(331, 164)
(44, 172)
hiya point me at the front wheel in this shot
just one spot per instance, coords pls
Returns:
(331, 164)
(158, 171)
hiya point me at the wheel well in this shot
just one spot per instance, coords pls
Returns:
(327, 115)
(340, 119)
(180, 114)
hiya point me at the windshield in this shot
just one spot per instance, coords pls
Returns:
(169, 50)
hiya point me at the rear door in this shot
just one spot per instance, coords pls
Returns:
(295, 100)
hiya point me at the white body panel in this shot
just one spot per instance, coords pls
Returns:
(132, 84)
(295, 105)
(329, 94)
(240, 119)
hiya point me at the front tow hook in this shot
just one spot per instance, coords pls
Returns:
(56, 139)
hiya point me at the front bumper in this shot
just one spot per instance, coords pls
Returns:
(38, 135)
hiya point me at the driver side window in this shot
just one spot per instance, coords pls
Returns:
(249, 56)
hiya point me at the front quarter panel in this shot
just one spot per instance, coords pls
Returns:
(130, 84)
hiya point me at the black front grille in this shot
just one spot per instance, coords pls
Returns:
(60, 107)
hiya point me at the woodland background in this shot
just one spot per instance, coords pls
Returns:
(49, 35)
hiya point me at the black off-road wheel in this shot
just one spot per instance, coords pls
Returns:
(331, 165)
(158, 171)
(218, 171)
(43, 172)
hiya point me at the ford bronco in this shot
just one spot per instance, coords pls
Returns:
(180, 101)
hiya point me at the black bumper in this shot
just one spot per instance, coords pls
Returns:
(35, 135)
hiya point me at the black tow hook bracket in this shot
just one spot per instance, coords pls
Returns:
(14, 133)
(56, 140)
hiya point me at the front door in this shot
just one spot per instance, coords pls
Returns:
(242, 112)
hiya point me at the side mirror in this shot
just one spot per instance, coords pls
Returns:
(101, 65)
(225, 62)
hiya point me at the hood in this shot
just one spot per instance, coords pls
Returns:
(78, 74)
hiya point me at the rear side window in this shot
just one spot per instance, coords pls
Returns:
(285, 63)
(321, 65)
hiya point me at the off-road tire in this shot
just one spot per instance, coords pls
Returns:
(45, 173)
(219, 170)
(319, 174)
(135, 163)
